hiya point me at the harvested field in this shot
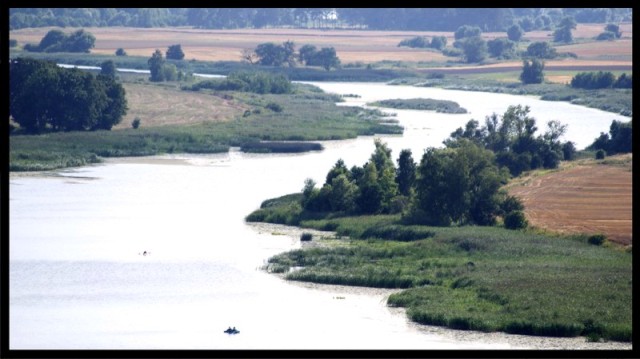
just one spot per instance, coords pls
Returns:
(586, 197)
(351, 45)
(158, 106)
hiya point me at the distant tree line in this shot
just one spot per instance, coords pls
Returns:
(424, 19)
(57, 41)
(45, 97)
(600, 80)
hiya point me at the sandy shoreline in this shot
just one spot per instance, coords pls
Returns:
(514, 341)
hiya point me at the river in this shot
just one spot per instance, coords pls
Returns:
(79, 279)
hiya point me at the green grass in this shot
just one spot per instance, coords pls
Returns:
(612, 100)
(294, 122)
(471, 278)
(422, 104)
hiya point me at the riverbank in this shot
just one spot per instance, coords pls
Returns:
(177, 121)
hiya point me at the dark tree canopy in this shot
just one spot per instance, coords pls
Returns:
(174, 52)
(532, 71)
(45, 97)
(57, 41)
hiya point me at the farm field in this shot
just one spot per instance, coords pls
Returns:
(157, 106)
(351, 45)
(584, 197)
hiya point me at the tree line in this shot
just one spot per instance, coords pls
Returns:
(423, 19)
(57, 41)
(45, 97)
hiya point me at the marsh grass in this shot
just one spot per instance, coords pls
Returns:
(294, 123)
(427, 104)
(475, 278)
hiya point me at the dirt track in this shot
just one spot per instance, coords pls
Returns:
(590, 198)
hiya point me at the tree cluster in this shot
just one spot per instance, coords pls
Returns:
(618, 140)
(437, 42)
(541, 50)
(161, 70)
(270, 54)
(57, 41)
(600, 80)
(512, 137)
(45, 97)
(502, 48)
(456, 185)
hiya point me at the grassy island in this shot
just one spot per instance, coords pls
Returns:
(427, 104)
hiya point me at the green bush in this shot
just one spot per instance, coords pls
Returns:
(135, 123)
(515, 220)
(600, 154)
(306, 237)
(597, 239)
(274, 107)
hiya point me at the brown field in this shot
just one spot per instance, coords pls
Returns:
(583, 197)
(351, 45)
(159, 106)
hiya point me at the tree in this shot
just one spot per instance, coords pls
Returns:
(108, 68)
(120, 52)
(541, 50)
(156, 64)
(532, 72)
(174, 52)
(474, 49)
(563, 31)
(501, 48)
(52, 41)
(369, 197)
(343, 194)
(79, 41)
(406, 172)
(271, 54)
(515, 32)
(615, 29)
(327, 58)
(249, 56)
(467, 31)
(307, 54)
(438, 42)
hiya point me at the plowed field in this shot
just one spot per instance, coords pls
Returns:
(584, 198)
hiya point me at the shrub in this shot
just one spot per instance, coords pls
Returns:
(120, 52)
(13, 43)
(600, 155)
(274, 107)
(606, 36)
(135, 123)
(597, 239)
(515, 220)
(306, 237)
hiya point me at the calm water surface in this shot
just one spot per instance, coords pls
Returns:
(78, 279)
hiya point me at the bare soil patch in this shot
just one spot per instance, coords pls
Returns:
(158, 106)
(586, 197)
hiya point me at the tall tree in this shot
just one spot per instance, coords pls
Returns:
(156, 64)
(532, 72)
(406, 173)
